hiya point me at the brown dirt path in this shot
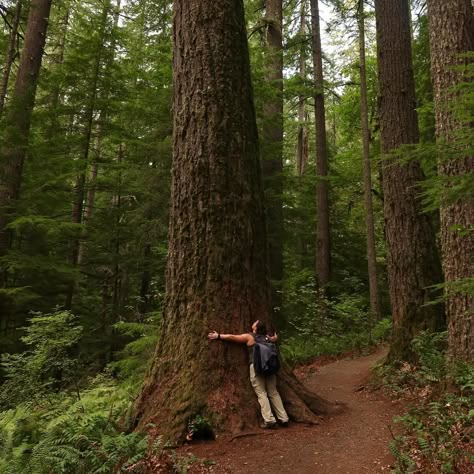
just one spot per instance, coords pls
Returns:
(354, 442)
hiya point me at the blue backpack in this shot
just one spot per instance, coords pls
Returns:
(265, 356)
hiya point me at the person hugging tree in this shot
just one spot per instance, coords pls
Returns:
(264, 385)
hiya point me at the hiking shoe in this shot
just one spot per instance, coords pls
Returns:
(283, 424)
(268, 426)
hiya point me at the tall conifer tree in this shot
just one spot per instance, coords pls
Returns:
(273, 139)
(323, 252)
(413, 265)
(451, 26)
(217, 272)
(369, 211)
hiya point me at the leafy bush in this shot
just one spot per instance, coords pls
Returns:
(133, 360)
(49, 364)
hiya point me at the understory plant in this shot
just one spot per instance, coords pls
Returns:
(321, 326)
(437, 431)
(55, 417)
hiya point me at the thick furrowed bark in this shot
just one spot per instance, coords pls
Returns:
(217, 272)
(451, 26)
(412, 264)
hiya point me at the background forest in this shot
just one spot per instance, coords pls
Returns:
(368, 196)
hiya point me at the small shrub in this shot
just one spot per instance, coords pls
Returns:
(50, 364)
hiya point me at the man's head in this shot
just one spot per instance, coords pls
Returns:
(259, 327)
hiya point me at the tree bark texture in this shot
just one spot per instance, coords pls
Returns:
(369, 211)
(217, 275)
(323, 253)
(10, 56)
(451, 29)
(302, 146)
(18, 116)
(272, 155)
(412, 262)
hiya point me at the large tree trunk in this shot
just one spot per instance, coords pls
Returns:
(10, 55)
(323, 255)
(272, 162)
(217, 269)
(302, 146)
(451, 26)
(413, 264)
(369, 212)
(18, 118)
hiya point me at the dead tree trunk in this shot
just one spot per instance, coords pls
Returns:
(217, 268)
(451, 27)
(10, 55)
(323, 253)
(369, 211)
(412, 264)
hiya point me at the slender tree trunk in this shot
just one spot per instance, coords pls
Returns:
(56, 96)
(217, 269)
(89, 204)
(18, 118)
(117, 204)
(273, 138)
(369, 212)
(323, 255)
(10, 55)
(451, 27)
(302, 147)
(144, 304)
(80, 186)
(94, 167)
(413, 263)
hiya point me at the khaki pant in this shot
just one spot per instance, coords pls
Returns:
(265, 388)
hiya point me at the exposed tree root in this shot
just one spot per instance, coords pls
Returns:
(303, 405)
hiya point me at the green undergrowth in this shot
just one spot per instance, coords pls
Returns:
(436, 434)
(299, 350)
(52, 420)
(319, 326)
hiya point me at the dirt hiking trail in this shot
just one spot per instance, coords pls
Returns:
(353, 442)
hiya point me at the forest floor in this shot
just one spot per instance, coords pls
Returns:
(353, 442)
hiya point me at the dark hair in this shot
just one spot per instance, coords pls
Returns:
(261, 328)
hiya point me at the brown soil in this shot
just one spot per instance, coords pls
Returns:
(353, 442)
